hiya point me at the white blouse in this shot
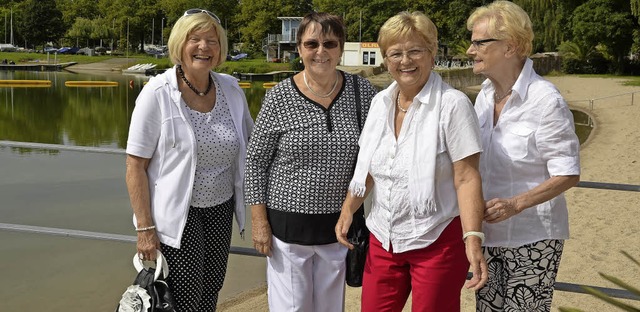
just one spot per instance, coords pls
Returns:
(391, 219)
(533, 140)
(217, 150)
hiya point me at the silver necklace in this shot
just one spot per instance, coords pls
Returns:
(335, 84)
(398, 104)
(499, 98)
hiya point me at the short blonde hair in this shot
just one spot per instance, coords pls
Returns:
(506, 21)
(188, 24)
(406, 25)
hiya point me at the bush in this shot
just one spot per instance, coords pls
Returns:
(296, 64)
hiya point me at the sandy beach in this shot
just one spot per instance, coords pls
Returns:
(603, 222)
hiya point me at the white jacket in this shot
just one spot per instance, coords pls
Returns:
(161, 130)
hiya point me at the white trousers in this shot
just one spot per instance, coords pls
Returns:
(306, 278)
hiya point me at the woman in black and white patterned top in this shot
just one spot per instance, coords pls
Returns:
(299, 164)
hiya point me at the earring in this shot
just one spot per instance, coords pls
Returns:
(300, 61)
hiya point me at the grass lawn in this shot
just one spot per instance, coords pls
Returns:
(241, 66)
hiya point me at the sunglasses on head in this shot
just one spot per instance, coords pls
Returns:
(196, 11)
(313, 44)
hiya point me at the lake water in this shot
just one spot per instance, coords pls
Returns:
(79, 191)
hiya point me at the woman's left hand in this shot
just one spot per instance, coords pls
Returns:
(477, 262)
(500, 209)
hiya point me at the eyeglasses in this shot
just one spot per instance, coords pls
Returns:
(312, 44)
(480, 43)
(196, 11)
(413, 54)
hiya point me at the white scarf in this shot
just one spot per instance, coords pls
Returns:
(426, 121)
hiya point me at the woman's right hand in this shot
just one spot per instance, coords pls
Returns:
(342, 227)
(261, 235)
(148, 242)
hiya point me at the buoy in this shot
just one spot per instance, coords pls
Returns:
(91, 83)
(25, 82)
(269, 85)
(245, 85)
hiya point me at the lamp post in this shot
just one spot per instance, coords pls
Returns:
(162, 34)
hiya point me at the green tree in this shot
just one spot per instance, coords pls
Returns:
(41, 21)
(71, 10)
(606, 23)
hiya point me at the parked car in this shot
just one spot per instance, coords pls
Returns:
(50, 49)
(7, 47)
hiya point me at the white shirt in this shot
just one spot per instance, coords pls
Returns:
(533, 140)
(391, 219)
(217, 150)
(161, 130)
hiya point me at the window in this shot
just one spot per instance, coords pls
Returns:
(365, 58)
(372, 58)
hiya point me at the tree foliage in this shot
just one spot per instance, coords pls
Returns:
(605, 23)
(41, 21)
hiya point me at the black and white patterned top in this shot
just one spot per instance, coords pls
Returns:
(301, 156)
(218, 149)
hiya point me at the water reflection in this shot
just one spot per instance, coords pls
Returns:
(86, 116)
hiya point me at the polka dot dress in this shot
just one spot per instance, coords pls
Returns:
(198, 268)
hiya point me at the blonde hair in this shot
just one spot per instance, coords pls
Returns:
(506, 21)
(406, 25)
(188, 24)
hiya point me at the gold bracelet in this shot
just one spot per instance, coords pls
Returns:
(145, 228)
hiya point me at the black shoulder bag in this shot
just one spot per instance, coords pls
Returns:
(358, 234)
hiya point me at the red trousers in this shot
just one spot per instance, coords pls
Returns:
(433, 275)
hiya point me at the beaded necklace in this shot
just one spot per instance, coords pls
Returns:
(181, 72)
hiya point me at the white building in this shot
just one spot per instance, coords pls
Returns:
(361, 54)
(282, 47)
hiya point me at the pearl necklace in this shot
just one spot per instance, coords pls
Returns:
(181, 72)
(398, 104)
(500, 98)
(335, 84)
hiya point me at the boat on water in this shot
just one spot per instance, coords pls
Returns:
(139, 68)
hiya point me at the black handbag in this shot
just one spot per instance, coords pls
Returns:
(358, 234)
(149, 292)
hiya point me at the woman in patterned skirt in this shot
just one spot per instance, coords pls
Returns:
(300, 159)
(531, 156)
(185, 162)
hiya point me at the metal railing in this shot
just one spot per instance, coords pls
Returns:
(560, 286)
(592, 101)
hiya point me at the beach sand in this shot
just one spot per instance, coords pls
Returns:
(602, 222)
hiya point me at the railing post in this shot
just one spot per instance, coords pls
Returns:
(591, 104)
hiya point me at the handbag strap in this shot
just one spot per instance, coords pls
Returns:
(161, 265)
(356, 88)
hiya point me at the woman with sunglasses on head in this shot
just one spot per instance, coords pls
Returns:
(185, 163)
(531, 156)
(419, 152)
(300, 159)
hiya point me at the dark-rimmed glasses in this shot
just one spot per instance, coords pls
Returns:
(480, 43)
(196, 11)
(313, 44)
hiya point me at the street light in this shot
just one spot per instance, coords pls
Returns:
(161, 33)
